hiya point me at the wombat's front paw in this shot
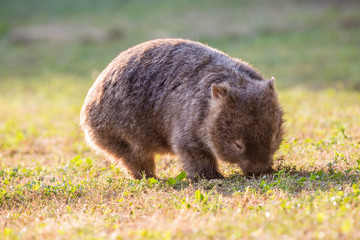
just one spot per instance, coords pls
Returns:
(258, 174)
(216, 176)
(196, 177)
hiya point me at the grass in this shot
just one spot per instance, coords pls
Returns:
(53, 187)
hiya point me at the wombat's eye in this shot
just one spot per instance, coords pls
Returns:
(240, 145)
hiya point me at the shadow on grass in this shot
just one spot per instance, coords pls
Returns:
(286, 178)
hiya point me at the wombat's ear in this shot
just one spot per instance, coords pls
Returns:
(271, 83)
(219, 91)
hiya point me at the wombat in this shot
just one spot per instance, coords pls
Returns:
(179, 96)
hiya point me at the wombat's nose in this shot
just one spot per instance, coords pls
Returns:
(258, 172)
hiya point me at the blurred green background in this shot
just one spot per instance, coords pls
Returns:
(300, 42)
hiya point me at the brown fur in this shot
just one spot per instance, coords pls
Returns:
(182, 97)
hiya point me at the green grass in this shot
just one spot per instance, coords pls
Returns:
(53, 187)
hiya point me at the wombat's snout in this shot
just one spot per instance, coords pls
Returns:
(256, 169)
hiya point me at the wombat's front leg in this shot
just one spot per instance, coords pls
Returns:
(199, 164)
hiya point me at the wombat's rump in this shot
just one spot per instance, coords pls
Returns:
(182, 97)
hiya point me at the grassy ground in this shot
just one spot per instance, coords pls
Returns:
(53, 187)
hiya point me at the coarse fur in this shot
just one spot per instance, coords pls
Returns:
(182, 97)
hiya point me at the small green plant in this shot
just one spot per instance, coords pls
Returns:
(174, 181)
(200, 197)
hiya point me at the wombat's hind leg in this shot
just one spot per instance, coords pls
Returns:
(199, 164)
(140, 165)
(137, 162)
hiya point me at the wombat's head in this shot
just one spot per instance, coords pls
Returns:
(245, 125)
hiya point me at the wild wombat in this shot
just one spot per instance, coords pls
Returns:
(182, 97)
